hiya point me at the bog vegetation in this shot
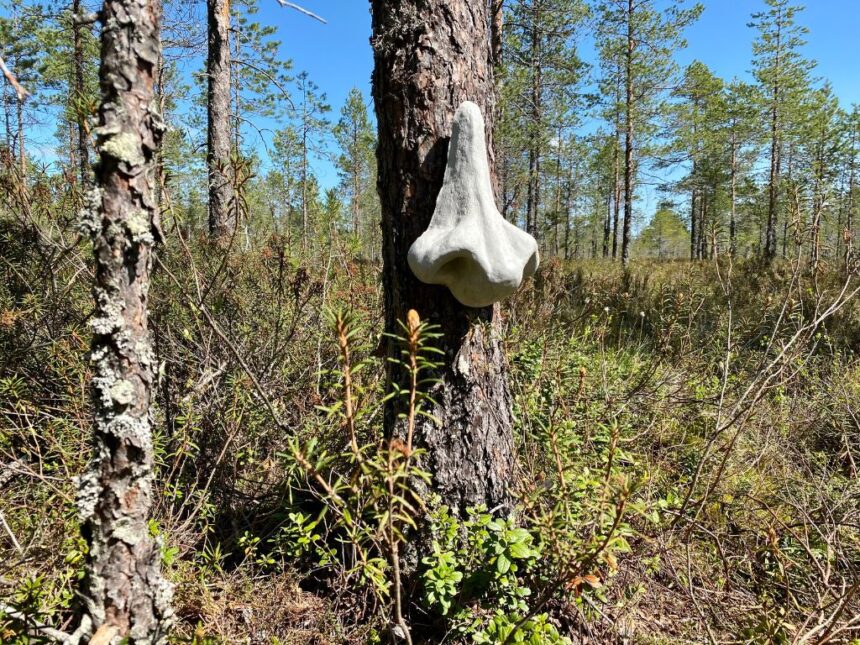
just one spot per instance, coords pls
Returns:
(685, 385)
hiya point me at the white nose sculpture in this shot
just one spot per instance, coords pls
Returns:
(469, 247)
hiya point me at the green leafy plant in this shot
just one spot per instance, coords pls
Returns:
(368, 493)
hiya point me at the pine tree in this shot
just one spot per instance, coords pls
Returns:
(429, 57)
(783, 75)
(287, 156)
(714, 129)
(542, 77)
(222, 203)
(645, 39)
(23, 35)
(601, 159)
(848, 205)
(742, 129)
(312, 128)
(356, 164)
(260, 77)
(611, 86)
(82, 86)
(665, 236)
(699, 118)
(497, 21)
(820, 147)
(126, 597)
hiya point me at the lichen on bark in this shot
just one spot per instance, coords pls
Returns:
(123, 146)
(126, 596)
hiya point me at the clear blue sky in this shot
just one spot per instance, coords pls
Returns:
(722, 40)
(338, 55)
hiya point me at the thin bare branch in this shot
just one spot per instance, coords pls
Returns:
(292, 5)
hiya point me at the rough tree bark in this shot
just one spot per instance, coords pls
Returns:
(222, 212)
(497, 21)
(126, 598)
(497, 17)
(557, 213)
(7, 113)
(22, 150)
(430, 56)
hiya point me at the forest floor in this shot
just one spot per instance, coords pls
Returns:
(715, 405)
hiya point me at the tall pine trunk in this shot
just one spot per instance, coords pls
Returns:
(568, 205)
(7, 117)
(607, 225)
(500, 178)
(695, 229)
(616, 164)
(798, 222)
(304, 188)
(694, 222)
(817, 205)
(628, 141)
(126, 597)
(222, 211)
(733, 197)
(773, 182)
(19, 110)
(533, 197)
(430, 56)
(774, 174)
(616, 193)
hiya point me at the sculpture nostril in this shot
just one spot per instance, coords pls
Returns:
(457, 265)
